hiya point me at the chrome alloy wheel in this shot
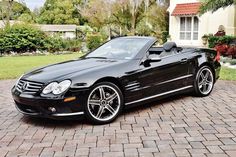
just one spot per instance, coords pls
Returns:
(205, 81)
(104, 103)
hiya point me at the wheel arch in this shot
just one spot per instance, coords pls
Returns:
(112, 80)
(211, 67)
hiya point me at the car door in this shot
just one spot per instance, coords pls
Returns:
(166, 76)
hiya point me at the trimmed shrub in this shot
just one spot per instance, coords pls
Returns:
(215, 40)
(164, 36)
(21, 38)
(1, 41)
(94, 41)
(56, 43)
(73, 45)
(53, 44)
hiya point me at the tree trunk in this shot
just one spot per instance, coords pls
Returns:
(133, 25)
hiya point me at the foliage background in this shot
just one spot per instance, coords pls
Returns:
(21, 38)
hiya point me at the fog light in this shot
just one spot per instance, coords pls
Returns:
(52, 109)
(69, 99)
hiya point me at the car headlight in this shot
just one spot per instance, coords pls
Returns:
(49, 88)
(57, 88)
(62, 87)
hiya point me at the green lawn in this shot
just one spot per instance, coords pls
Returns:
(227, 74)
(13, 67)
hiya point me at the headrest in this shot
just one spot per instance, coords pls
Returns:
(169, 45)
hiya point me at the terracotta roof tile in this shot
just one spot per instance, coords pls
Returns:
(186, 9)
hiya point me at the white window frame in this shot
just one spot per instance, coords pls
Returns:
(192, 28)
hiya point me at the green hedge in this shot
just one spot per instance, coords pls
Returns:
(73, 45)
(22, 38)
(93, 41)
(214, 40)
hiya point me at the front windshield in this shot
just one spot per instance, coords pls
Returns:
(120, 48)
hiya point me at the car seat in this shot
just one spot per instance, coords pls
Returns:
(169, 48)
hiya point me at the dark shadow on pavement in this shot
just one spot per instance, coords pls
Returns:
(59, 123)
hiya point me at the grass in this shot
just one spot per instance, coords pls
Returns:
(227, 74)
(13, 67)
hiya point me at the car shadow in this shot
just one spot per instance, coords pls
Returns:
(59, 123)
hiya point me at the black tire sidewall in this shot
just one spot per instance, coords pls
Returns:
(87, 113)
(196, 87)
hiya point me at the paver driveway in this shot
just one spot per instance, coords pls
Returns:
(181, 126)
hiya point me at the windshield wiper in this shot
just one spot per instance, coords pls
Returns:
(98, 57)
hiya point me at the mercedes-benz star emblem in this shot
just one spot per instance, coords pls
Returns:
(24, 86)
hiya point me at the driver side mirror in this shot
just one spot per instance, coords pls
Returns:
(154, 58)
(151, 58)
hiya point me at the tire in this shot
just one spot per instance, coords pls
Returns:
(204, 81)
(104, 103)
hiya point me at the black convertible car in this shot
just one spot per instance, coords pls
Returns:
(121, 73)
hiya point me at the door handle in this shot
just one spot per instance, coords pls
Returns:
(184, 60)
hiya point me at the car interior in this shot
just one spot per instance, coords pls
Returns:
(169, 48)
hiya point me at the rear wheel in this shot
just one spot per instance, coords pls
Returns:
(204, 81)
(104, 103)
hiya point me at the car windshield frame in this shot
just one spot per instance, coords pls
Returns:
(128, 54)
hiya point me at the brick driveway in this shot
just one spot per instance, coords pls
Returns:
(184, 126)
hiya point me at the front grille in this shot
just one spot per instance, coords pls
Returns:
(28, 87)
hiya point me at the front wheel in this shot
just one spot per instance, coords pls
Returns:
(204, 81)
(104, 103)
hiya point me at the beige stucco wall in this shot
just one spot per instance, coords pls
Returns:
(64, 35)
(70, 35)
(208, 23)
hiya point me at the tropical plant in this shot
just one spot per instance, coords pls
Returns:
(128, 17)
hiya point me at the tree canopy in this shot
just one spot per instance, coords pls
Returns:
(214, 5)
(121, 17)
(12, 10)
(60, 12)
(144, 17)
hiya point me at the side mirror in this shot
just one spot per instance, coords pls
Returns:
(154, 58)
(150, 59)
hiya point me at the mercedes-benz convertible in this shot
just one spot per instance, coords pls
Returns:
(123, 72)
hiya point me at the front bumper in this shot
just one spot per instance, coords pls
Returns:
(36, 113)
(38, 106)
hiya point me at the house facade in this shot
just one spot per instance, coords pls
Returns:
(186, 26)
(64, 31)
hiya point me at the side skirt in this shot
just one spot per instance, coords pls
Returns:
(159, 95)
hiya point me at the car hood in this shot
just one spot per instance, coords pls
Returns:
(65, 69)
